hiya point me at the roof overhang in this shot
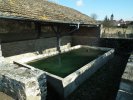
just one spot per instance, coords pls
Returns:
(22, 18)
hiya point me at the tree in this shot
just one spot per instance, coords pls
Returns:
(112, 17)
(94, 16)
(106, 24)
(106, 18)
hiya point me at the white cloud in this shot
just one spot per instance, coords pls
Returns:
(79, 3)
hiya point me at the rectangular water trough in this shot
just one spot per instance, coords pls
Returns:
(65, 84)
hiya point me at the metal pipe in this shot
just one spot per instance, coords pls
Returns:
(77, 27)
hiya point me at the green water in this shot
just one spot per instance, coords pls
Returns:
(66, 63)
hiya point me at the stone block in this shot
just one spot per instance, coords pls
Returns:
(22, 83)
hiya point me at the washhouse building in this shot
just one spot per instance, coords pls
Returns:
(31, 29)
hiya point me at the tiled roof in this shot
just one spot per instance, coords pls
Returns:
(42, 10)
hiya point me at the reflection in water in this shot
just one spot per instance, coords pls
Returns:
(59, 60)
(66, 63)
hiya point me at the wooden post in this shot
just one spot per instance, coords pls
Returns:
(1, 57)
(58, 41)
(38, 29)
(57, 31)
(0, 50)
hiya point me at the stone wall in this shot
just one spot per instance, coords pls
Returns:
(21, 83)
(37, 45)
(11, 30)
(87, 31)
(84, 40)
(14, 30)
(20, 37)
(121, 45)
(86, 36)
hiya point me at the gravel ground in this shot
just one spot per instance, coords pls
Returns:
(103, 85)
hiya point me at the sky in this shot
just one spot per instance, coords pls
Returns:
(121, 9)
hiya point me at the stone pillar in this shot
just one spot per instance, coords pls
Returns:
(101, 30)
(0, 49)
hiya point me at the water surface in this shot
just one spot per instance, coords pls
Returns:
(66, 63)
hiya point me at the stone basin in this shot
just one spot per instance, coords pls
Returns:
(65, 85)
